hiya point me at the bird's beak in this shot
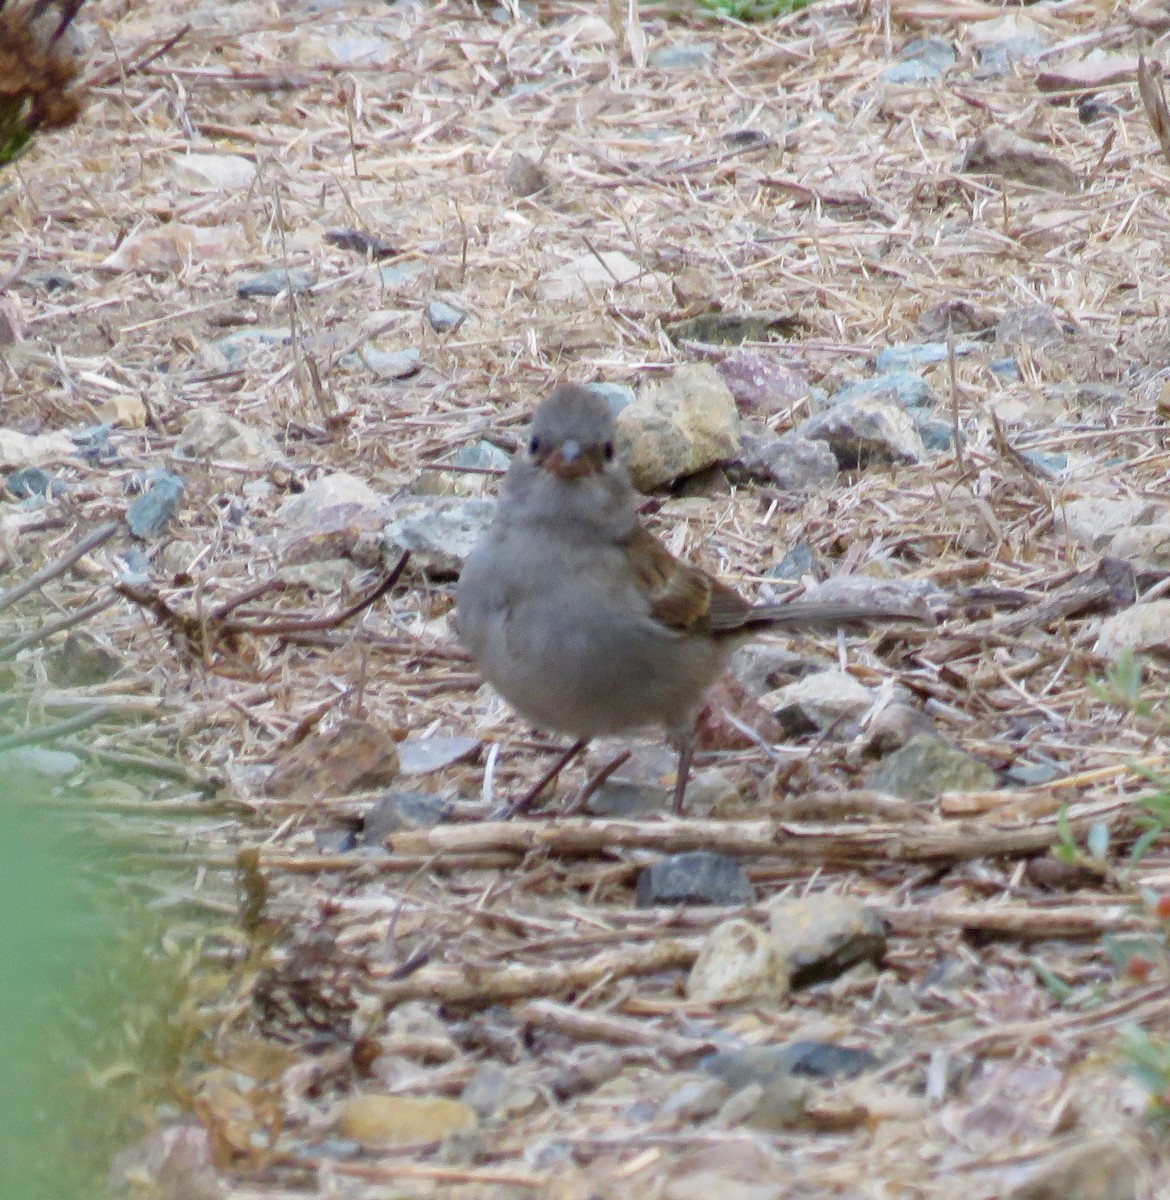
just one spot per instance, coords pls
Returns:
(570, 461)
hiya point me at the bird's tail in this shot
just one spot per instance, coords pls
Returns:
(831, 614)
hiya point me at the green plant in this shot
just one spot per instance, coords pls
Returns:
(753, 10)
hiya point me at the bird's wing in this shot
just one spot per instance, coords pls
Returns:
(682, 596)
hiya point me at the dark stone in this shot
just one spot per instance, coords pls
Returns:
(28, 482)
(149, 514)
(403, 810)
(696, 877)
(762, 1064)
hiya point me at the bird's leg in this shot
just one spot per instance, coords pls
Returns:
(529, 798)
(686, 751)
(594, 781)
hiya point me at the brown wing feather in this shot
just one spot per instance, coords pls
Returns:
(682, 596)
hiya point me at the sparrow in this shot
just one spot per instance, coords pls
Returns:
(581, 619)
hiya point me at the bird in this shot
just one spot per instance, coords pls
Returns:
(582, 619)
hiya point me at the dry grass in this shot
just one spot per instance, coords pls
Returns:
(850, 211)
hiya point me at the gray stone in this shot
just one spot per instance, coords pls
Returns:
(913, 70)
(911, 356)
(439, 532)
(695, 877)
(272, 283)
(236, 348)
(1029, 325)
(1005, 368)
(694, 1100)
(932, 52)
(149, 514)
(494, 1090)
(685, 424)
(41, 761)
(622, 798)
(927, 766)
(385, 364)
(901, 387)
(821, 936)
(29, 482)
(1146, 544)
(936, 434)
(443, 317)
(790, 461)
(397, 811)
(679, 58)
(866, 431)
(800, 561)
(524, 176)
(399, 275)
(424, 756)
(761, 1064)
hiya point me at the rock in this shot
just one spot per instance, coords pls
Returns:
(913, 70)
(866, 431)
(271, 283)
(1092, 1167)
(685, 424)
(328, 519)
(397, 1120)
(125, 410)
(998, 151)
(324, 576)
(589, 273)
(959, 316)
(695, 877)
(900, 387)
(694, 1100)
(483, 456)
(623, 798)
(50, 280)
(423, 756)
(729, 708)
(1141, 628)
(495, 1090)
(927, 766)
(397, 811)
(1001, 41)
(333, 490)
(214, 172)
(894, 360)
(710, 792)
(353, 755)
(1095, 520)
(720, 328)
(800, 561)
(19, 450)
(79, 661)
(443, 317)
(93, 444)
(771, 1107)
(931, 55)
(40, 761)
(936, 434)
(210, 433)
(399, 275)
(762, 666)
(359, 241)
(819, 701)
(761, 381)
(737, 961)
(790, 461)
(149, 514)
(168, 249)
(619, 396)
(1005, 368)
(29, 482)
(892, 727)
(681, 58)
(236, 348)
(1147, 544)
(1050, 464)
(761, 1064)
(524, 176)
(1029, 325)
(820, 936)
(440, 533)
(898, 595)
(385, 364)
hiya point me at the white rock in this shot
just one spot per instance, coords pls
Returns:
(1094, 520)
(589, 273)
(819, 701)
(1142, 628)
(214, 172)
(737, 961)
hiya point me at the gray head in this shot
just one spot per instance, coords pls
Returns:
(572, 433)
(568, 471)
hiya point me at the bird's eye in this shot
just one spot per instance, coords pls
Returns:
(608, 451)
(534, 446)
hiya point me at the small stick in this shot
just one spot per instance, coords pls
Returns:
(58, 626)
(59, 565)
(47, 733)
